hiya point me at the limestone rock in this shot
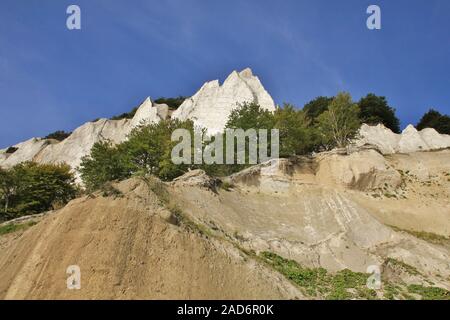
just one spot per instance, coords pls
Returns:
(80, 142)
(410, 140)
(364, 170)
(434, 139)
(196, 178)
(213, 103)
(26, 151)
(150, 112)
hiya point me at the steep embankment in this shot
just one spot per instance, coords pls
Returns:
(335, 211)
(191, 239)
(126, 248)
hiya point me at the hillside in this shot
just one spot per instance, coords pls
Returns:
(191, 239)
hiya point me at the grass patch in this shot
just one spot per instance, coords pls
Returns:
(404, 266)
(165, 200)
(227, 186)
(429, 293)
(427, 236)
(317, 282)
(14, 227)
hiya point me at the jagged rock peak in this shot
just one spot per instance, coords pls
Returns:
(410, 140)
(213, 103)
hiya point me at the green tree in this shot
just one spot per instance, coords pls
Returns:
(29, 188)
(340, 122)
(8, 187)
(316, 107)
(105, 163)
(375, 110)
(296, 135)
(434, 119)
(149, 147)
(250, 116)
(41, 186)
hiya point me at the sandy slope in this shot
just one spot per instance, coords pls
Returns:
(332, 211)
(126, 250)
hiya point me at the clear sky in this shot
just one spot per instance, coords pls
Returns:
(52, 78)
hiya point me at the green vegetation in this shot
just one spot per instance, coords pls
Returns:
(173, 103)
(429, 293)
(14, 227)
(434, 119)
(402, 265)
(58, 135)
(30, 188)
(148, 148)
(147, 151)
(427, 236)
(316, 107)
(11, 150)
(375, 110)
(317, 282)
(346, 284)
(340, 122)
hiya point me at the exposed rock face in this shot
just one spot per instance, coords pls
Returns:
(213, 103)
(209, 108)
(410, 140)
(26, 151)
(364, 170)
(80, 142)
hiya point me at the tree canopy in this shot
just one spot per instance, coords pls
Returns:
(375, 110)
(434, 119)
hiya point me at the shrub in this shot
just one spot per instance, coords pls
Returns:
(173, 103)
(374, 110)
(58, 135)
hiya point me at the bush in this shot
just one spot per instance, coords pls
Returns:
(173, 103)
(30, 188)
(375, 110)
(434, 119)
(58, 135)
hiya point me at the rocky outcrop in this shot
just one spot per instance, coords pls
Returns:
(410, 140)
(25, 151)
(209, 108)
(80, 142)
(213, 103)
(364, 170)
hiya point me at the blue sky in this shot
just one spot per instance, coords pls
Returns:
(52, 78)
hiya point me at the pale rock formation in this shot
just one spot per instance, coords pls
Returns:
(435, 140)
(363, 170)
(26, 151)
(79, 143)
(410, 140)
(212, 104)
(150, 112)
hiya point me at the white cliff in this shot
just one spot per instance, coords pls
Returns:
(213, 103)
(410, 140)
(80, 142)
